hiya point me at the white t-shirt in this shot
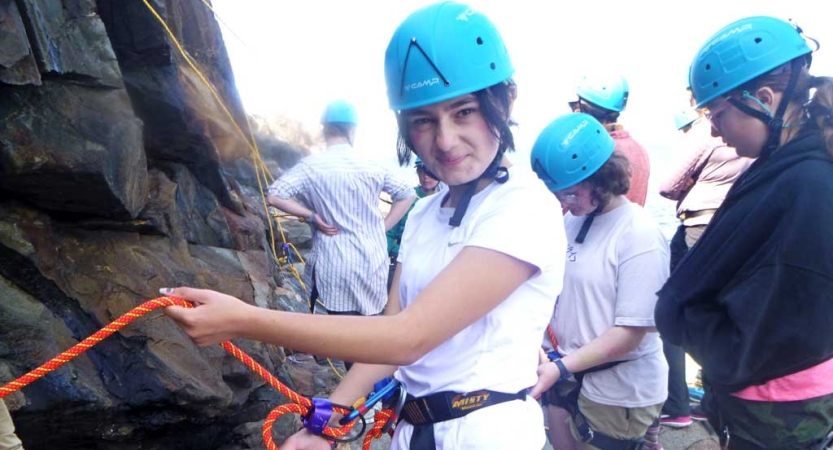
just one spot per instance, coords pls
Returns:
(612, 279)
(520, 218)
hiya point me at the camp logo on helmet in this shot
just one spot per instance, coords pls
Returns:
(466, 14)
(573, 133)
(725, 35)
(422, 84)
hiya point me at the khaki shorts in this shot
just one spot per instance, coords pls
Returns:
(615, 421)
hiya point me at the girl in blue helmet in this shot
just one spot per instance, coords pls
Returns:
(752, 301)
(605, 380)
(477, 275)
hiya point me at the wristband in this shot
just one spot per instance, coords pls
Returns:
(564, 373)
(552, 355)
(311, 219)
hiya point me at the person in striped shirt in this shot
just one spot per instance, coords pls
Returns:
(346, 271)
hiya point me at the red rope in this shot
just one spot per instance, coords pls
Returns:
(300, 403)
(552, 337)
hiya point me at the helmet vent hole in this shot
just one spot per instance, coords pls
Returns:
(575, 156)
(758, 40)
(584, 168)
(715, 84)
(492, 65)
(479, 41)
(708, 67)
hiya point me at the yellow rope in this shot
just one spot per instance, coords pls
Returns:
(261, 171)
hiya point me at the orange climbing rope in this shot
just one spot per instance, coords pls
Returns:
(300, 405)
(553, 339)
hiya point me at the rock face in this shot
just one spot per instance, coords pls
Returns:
(120, 173)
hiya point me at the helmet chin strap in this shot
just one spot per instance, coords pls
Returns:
(774, 122)
(588, 221)
(493, 171)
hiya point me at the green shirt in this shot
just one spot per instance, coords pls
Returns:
(394, 235)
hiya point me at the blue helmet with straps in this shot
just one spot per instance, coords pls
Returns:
(741, 52)
(608, 91)
(685, 117)
(443, 51)
(339, 111)
(570, 149)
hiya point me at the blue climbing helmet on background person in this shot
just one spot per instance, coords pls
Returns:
(420, 167)
(339, 111)
(569, 150)
(443, 51)
(685, 117)
(608, 91)
(741, 52)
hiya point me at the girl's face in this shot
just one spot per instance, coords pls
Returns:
(745, 133)
(578, 199)
(453, 139)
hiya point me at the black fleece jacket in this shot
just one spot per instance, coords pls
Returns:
(753, 299)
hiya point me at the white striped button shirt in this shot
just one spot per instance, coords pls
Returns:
(350, 268)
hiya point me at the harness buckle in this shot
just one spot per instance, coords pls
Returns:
(588, 436)
(726, 438)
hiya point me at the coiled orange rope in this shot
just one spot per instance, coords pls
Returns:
(300, 405)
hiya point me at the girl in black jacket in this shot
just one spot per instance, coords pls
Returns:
(752, 301)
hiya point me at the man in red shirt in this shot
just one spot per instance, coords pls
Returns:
(604, 98)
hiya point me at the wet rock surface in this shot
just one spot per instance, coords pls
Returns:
(121, 173)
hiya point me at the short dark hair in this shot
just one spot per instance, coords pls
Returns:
(612, 179)
(603, 115)
(335, 129)
(494, 105)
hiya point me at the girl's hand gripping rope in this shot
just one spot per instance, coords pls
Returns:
(215, 318)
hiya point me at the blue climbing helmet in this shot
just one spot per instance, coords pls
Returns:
(685, 117)
(741, 52)
(608, 91)
(440, 52)
(339, 111)
(443, 51)
(569, 150)
(420, 166)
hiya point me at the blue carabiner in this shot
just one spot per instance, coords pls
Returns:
(382, 390)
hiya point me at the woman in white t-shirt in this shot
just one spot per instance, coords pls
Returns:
(607, 370)
(476, 278)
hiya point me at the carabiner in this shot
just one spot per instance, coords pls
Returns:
(397, 408)
(382, 390)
